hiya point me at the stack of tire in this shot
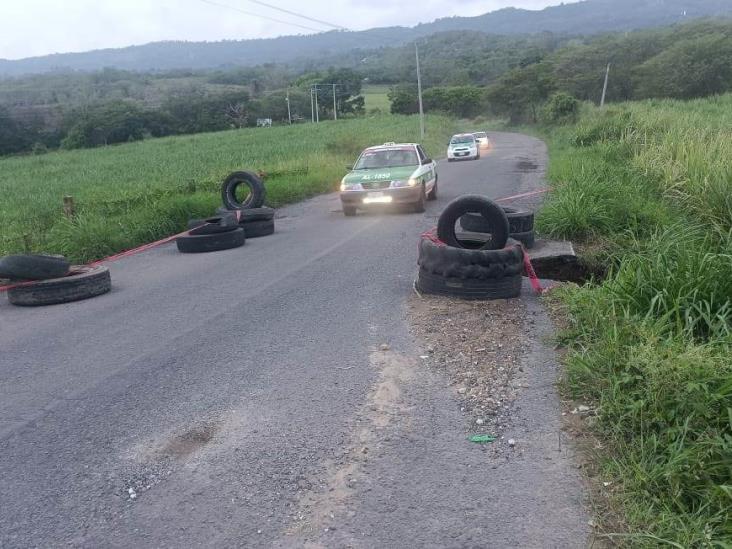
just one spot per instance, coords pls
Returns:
(235, 222)
(50, 279)
(468, 267)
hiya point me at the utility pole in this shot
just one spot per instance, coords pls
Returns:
(289, 115)
(419, 94)
(335, 107)
(312, 107)
(604, 87)
(317, 109)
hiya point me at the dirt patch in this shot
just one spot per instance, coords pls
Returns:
(319, 509)
(479, 345)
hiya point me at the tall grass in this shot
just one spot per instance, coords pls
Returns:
(133, 193)
(652, 343)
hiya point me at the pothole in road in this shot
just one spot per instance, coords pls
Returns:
(525, 165)
(189, 442)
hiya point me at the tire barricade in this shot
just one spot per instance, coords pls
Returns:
(486, 267)
(39, 279)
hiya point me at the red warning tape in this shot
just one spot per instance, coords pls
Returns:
(531, 274)
(522, 195)
(431, 235)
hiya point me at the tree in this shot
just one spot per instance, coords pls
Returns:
(561, 108)
(520, 93)
(463, 101)
(403, 100)
(696, 67)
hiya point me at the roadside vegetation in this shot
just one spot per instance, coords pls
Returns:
(134, 193)
(646, 190)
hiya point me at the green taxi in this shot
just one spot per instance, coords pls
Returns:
(390, 174)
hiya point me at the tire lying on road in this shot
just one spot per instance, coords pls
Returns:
(520, 225)
(492, 214)
(33, 266)
(472, 288)
(254, 229)
(212, 225)
(249, 214)
(470, 273)
(254, 199)
(199, 243)
(467, 263)
(80, 283)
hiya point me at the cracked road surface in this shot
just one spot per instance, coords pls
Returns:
(243, 399)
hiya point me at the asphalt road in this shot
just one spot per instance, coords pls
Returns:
(213, 399)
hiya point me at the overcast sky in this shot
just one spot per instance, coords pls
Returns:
(39, 27)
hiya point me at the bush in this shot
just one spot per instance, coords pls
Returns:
(561, 108)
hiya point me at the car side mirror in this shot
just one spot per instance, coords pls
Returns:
(427, 161)
(349, 168)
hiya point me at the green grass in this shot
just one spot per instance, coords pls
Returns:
(375, 97)
(651, 185)
(134, 193)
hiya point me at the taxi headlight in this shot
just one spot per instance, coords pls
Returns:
(413, 182)
(351, 186)
(399, 183)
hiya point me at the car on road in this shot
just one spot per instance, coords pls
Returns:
(482, 139)
(463, 146)
(399, 174)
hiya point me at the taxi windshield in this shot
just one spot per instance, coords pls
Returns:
(461, 139)
(386, 158)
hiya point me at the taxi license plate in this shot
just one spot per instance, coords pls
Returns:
(376, 195)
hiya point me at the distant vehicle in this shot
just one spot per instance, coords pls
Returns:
(482, 139)
(392, 173)
(463, 146)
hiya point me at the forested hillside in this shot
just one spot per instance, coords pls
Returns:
(586, 17)
(464, 74)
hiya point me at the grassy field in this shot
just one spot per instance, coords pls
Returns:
(648, 187)
(135, 193)
(375, 97)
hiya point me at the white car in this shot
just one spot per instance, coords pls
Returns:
(463, 146)
(482, 139)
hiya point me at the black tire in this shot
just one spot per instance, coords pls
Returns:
(432, 195)
(256, 191)
(349, 211)
(527, 238)
(492, 288)
(199, 243)
(80, 283)
(466, 264)
(519, 221)
(33, 266)
(253, 229)
(249, 214)
(450, 159)
(212, 225)
(490, 211)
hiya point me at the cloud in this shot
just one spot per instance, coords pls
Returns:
(40, 27)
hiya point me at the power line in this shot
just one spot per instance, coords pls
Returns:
(211, 2)
(283, 10)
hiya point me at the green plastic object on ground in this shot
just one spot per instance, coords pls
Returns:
(482, 439)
